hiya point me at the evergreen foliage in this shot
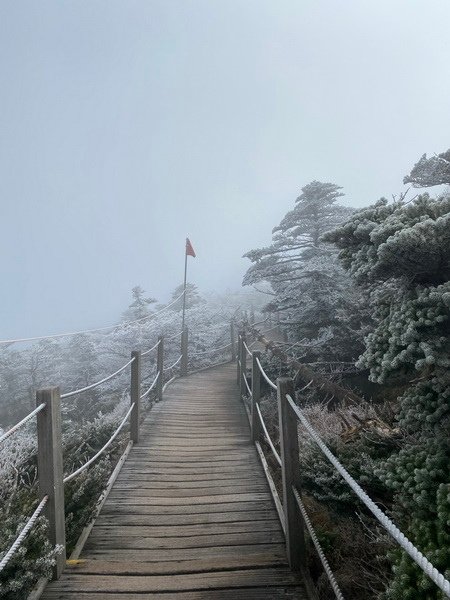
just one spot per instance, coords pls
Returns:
(193, 297)
(311, 290)
(430, 171)
(139, 307)
(400, 254)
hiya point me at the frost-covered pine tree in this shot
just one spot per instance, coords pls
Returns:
(311, 291)
(193, 297)
(140, 306)
(400, 254)
(430, 171)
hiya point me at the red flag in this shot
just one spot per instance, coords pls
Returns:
(189, 248)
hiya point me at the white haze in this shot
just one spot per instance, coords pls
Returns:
(125, 126)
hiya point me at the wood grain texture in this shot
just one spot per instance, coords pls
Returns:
(190, 516)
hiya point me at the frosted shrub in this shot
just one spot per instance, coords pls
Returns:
(400, 253)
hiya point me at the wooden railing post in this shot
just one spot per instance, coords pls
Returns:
(238, 365)
(256, 395)
(242, 388)
(233, 341)
(135, 393)
(184, 352)
(50, 470)
(160, 368)
(290, 471)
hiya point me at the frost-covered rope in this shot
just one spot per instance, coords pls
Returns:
(97, 383)
(210, 350)
(323, 558)
(22, 422)
(151, 349)
(151, 387)
(123, 324)
(108, 443)
(247, 349)
(22, 535)
(263, 373)
(267, 436)
(174, 364)
(175, 335)
(392, 529)
(246, 385)
(168, 383)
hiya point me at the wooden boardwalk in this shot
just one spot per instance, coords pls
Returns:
(190, 516)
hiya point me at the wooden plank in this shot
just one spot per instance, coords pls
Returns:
(190, 516)
(210, 563)
(129, 518)
(171, 583)
(201, 541)
(170, 500)
(276, 593)
(277, 550)
(164, 509)
(156, 531)
(147, 490)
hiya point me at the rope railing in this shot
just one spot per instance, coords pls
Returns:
(173, 364)
(72, 333)
(391, 528)
(145, 394)
(100, 452)
(247, 349)
(151, 349)
(210, 350)
(267, 436)
(97, 383)
(165, 386)
(21, 423)
(264, 374)
(318, 547)
(288, 460)
(51, 476)
(22, 535)
(173, 336)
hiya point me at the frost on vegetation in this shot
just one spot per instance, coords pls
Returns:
(395, 256)
(90, 418)
(400, 254)
(311, 292)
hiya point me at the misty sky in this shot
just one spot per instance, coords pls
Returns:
(125, 126)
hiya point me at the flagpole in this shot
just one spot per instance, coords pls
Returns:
(184, 288)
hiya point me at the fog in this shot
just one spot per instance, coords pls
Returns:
(127, 126)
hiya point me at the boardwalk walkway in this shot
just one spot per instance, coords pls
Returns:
(190, 516)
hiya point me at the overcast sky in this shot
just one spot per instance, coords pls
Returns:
(127, 125)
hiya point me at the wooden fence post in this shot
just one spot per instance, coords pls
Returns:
(242, 387)
(50, 470)
(233, 341)
(256, 395)
(184, 352)
(135, 393)
(290, 470)
(160, 368)
(238, 365)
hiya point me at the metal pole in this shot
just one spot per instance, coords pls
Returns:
(184, 288)
(184, 352)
